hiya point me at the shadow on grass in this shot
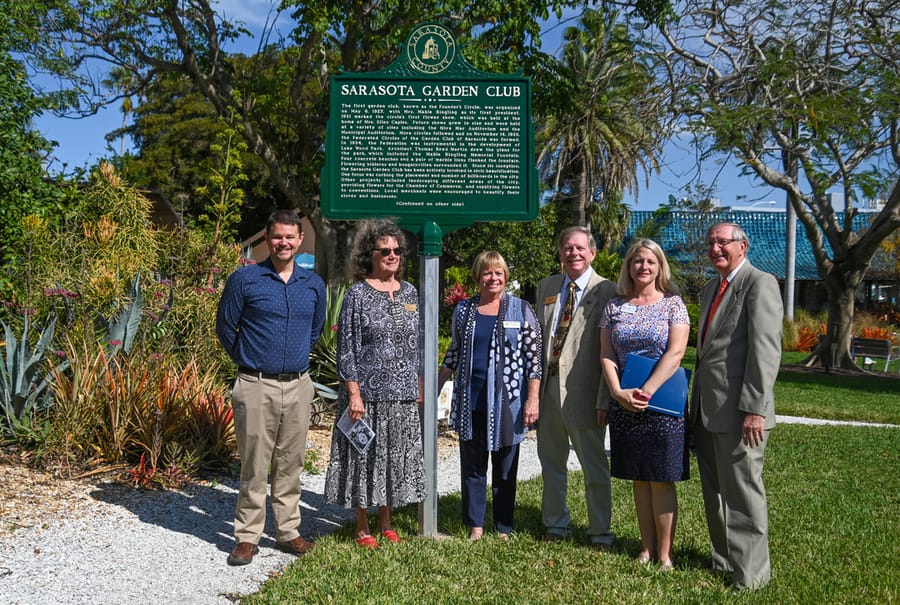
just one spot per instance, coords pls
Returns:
(873, 382)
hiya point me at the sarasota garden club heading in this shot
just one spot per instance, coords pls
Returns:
(411, 92)
(430, 140)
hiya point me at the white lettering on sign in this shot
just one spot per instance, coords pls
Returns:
(503, 91)
(448, 90)
(378, 90)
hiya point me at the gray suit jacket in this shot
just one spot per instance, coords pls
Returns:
(738, 361)
(582, 388)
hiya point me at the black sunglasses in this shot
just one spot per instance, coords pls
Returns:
(387, 251)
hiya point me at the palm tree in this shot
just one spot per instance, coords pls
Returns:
(123, 82)
(605, 124)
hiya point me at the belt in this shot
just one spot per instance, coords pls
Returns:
(283, 377)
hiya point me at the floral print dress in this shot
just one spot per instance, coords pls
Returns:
(378, 347)
(645, 446)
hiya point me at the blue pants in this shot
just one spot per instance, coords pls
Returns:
(473, 463)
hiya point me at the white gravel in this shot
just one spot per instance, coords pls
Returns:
(118, 545)
(126, 546)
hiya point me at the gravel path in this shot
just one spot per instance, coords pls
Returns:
(109, 544)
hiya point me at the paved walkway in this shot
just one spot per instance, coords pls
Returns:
(801, 420)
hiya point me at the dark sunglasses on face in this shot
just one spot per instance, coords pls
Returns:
(387, 251)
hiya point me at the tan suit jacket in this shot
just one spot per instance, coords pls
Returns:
(738, 360)
(582, 388)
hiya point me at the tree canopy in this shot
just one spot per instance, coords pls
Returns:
(23, 190)
(278, 97)
(807, 95)
(605, 123)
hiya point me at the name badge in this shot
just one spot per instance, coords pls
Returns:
(629, 308)
(512, 324)
(409, 307)
(550, 300)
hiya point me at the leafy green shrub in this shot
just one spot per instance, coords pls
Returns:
(136, 307)
(323, 357)
(693, 310)
(76, 407)
(790, 335)
(607, 264)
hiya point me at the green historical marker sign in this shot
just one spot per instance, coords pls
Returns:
(430, 139)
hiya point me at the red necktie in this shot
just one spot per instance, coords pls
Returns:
(715, 305)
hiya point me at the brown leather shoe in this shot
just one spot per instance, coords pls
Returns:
(242, 553)
(552, 537)
(297, 546)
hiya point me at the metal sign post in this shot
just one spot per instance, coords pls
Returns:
(429, 295)
(435, 144)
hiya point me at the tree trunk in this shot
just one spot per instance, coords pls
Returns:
(834, 348)
(334, 243)
(582, 195)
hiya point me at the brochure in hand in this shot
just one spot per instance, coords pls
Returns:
(358, 432)
(670, 398)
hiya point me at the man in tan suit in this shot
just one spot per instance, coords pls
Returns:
(574, 398)
(732, 404)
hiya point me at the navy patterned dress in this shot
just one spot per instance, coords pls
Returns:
(378, 347)
(645, 446)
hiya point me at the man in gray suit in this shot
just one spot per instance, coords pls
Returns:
(574, 398)
(732, 404)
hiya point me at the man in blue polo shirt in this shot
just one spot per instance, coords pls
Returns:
(269, 317)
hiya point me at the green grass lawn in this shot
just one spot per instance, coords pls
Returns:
(834, 502)
(873, 397)
(834, 513)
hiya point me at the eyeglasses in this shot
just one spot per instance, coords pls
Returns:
(721, 243)
(387, 251)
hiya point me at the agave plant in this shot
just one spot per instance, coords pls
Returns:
(23, 379)
(122, 329)
(323, 357)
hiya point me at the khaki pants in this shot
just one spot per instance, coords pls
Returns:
(271, 419)
(735, 501)
(553, 438)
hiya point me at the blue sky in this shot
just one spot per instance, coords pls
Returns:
(81, 141)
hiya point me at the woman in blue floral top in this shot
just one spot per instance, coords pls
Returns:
(647, 318)
(496, 354)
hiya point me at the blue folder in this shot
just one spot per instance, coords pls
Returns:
(670, 398)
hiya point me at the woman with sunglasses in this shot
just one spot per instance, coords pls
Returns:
(380, 367)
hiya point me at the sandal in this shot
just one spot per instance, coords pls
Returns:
(367, 541)
(391, 536)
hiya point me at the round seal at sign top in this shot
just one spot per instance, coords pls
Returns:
(430, 48)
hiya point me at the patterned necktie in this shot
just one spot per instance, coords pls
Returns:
(563, 328)
(715, 305)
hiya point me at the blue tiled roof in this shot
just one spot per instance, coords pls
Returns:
(681, 238)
